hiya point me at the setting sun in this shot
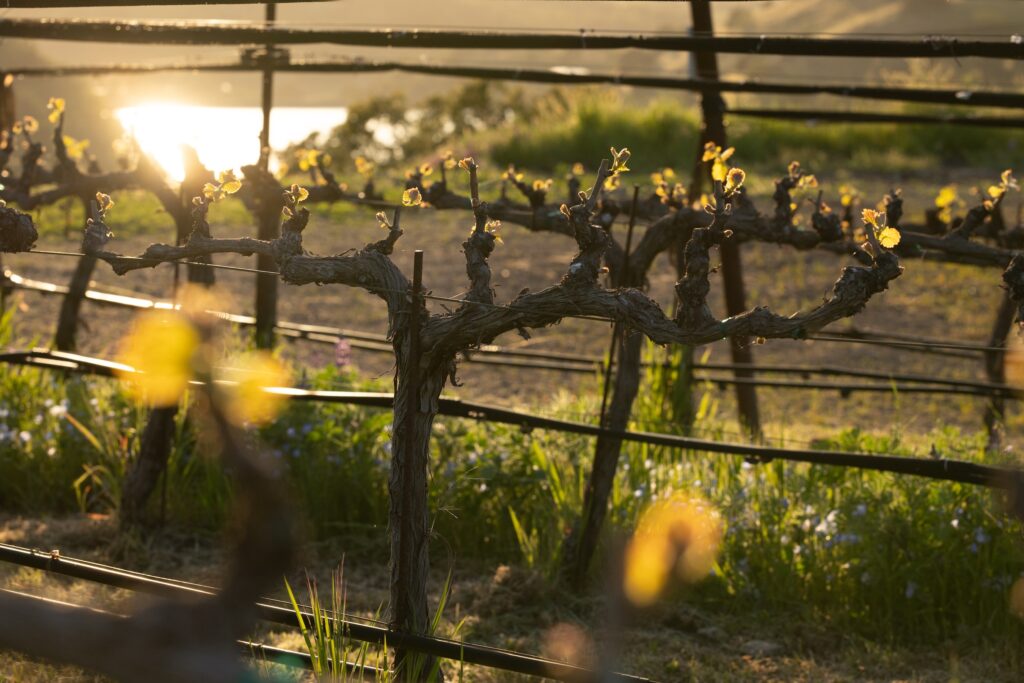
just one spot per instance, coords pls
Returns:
(224, 137)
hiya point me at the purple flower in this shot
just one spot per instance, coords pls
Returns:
(342, 353)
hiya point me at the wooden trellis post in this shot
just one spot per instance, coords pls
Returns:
(713, 130)
(995, 370)
(266, 284)
(6, 120)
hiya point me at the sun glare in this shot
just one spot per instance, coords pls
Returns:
(224, 137)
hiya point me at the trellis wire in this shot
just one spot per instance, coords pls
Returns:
(572, 75)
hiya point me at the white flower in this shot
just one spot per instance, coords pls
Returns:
(59, 410)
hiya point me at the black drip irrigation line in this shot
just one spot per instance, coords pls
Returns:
(575, 75)
(555, 362)
(849, 388)
(482, 655)
(898, 343)
(197, 33)
(269, 653)
(941, 469)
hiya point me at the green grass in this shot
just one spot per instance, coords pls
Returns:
(136, 212)
(664, 133)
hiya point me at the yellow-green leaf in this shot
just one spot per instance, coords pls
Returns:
(719, 170)
(889, 237)
(411, 197)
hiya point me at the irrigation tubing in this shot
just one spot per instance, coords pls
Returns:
(941, 469)
(555, 362)
(568, 76)
(268, 653)
(221, 33)
(482, 655)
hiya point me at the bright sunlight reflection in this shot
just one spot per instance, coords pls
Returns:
(225, 137)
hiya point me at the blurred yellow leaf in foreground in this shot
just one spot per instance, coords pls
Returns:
(160, 346)
(247, 376)
(680, 535)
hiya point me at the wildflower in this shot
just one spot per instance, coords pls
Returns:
(343, 353)
(911, 590)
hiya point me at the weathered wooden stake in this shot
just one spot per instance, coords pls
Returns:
(995, 370)
(713, 130)
(269, 225)
(410, 532)
(6, 120)
(71, 305)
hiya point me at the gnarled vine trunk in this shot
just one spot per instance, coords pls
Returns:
(151, 462)
(579, 547)
(71, 306)
(409, 514)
